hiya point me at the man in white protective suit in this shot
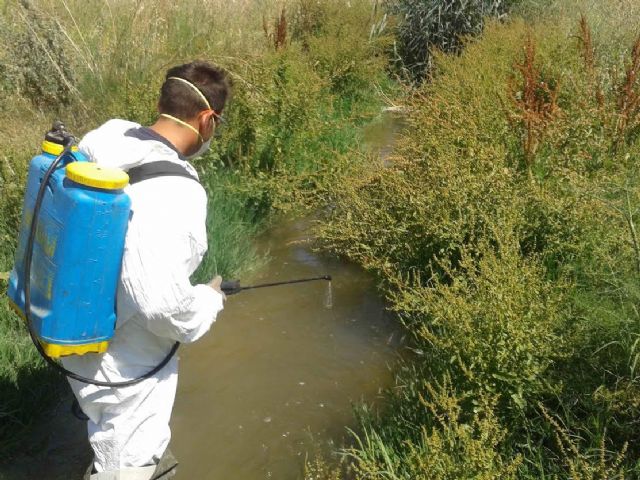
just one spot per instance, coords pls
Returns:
(157, 305)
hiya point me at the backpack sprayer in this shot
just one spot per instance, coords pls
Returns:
(69, 254)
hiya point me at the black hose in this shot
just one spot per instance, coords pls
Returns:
(27, 290)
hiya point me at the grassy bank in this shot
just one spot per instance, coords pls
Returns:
(504, 233)
(305, 76)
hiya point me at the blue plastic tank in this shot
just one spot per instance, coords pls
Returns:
(77, 252)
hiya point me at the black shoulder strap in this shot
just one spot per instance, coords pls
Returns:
(158, 169)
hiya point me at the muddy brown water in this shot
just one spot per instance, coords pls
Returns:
(275, 379)
(278, 377)
(280, 371)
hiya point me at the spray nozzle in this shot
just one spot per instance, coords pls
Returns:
(230, 287)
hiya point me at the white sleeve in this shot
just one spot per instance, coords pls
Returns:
(155, 277)
(109, 146)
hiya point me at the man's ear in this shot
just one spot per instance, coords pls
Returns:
(205, 119)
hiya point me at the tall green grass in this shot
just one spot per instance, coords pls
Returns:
(297, 103)
(504, 233)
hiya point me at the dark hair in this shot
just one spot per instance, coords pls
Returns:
(180, 100)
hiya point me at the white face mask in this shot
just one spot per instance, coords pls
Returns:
(205, 145)
(201, 151)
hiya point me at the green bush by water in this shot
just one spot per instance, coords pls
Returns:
(504, 232)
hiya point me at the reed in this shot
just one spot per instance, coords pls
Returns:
(428, 25)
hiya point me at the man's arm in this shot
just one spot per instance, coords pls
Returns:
(156, 267)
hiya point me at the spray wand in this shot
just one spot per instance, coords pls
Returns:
(231, 287)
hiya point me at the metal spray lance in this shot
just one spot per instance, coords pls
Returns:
(230, 287)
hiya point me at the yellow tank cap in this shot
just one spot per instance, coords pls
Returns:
(55, 148)
(93, 175)
(56, 351)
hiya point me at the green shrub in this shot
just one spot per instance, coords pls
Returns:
(504, 234)
(37, 64)
(496, 323)
(349, 68)
(454, 444)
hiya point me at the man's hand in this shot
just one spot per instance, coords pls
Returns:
(215, 284)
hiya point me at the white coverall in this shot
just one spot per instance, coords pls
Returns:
(156, 302)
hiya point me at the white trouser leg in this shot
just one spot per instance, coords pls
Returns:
(140, 473)
(129, 427)
(134, 433)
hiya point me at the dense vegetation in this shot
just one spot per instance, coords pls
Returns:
(305, 76)
(504, 232)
